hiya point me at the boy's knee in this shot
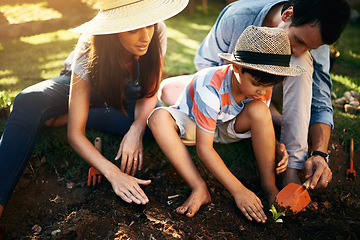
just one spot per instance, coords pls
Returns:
(157, 118)
(259, 111)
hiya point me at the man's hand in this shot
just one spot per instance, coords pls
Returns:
(282, 158)
(317, 168)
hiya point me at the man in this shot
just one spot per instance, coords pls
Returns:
(306, 101)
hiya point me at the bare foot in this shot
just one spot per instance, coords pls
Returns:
(197, 198)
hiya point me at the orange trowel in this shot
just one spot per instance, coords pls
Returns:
(293, 198)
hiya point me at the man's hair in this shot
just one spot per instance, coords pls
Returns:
(331, 15)
(263, 78)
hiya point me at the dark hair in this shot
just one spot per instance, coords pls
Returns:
(263, 78)
(331, 15)
(110, 70)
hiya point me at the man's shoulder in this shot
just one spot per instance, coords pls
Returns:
(247, 7)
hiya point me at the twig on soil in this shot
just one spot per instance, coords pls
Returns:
(55, 200)
(32, 169)
(174, 196)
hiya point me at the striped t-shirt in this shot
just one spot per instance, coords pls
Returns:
(208, 98)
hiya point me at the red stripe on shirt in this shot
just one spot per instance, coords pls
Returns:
(205, 122)
(225, 99)
(218, 77)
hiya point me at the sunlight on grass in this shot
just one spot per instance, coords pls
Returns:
(200, 27)
(61, 35)
(8, 82)
(345, 81)
(3, 73)
(178, 58)
(27, 12)
(183, 39)
(354, 55)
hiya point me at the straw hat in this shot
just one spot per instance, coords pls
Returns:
(125, 15)
(264, 49)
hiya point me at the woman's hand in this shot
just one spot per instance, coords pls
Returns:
(282, 158)
(127, 187)
(131, 151)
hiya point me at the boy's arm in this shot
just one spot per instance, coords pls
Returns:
(249, 204)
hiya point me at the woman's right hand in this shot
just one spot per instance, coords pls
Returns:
(128, 187)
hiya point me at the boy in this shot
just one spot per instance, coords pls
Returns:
(226, 104)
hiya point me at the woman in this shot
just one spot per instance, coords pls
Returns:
(112, 77)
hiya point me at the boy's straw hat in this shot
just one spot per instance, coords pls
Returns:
(264, 49)
(125, 15)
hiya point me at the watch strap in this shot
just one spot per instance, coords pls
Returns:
(322, 154)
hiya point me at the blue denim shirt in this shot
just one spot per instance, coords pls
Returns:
(233, 20)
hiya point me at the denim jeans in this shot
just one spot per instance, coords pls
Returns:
(32, 108)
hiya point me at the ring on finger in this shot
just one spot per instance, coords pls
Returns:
(135, 159)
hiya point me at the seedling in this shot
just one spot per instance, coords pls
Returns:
(276, 215)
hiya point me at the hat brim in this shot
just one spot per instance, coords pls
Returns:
(130, 17)
(291, 71)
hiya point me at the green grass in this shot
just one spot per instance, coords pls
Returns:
(346, 77)
(185, 34)
(28, 60)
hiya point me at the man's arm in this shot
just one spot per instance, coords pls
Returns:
(321, 121)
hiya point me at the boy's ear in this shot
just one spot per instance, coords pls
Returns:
(287, 14)
(236, 68)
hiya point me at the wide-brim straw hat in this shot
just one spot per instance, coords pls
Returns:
(125, 15)
(264, 49)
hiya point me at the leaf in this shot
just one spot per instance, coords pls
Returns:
(276, 215)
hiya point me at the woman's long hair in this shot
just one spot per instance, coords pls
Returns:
(110, 69)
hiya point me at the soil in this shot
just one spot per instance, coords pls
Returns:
(46, 206)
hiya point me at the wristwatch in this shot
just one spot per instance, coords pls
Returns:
(322, 154)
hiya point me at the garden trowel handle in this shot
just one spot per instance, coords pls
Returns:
(306, 184)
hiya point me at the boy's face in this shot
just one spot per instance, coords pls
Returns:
(248, 86)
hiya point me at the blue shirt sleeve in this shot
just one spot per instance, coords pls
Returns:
(321, 108)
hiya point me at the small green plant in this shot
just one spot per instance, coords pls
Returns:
(276, 215)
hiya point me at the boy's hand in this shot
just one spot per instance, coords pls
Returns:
(282, 158)
(250, 205)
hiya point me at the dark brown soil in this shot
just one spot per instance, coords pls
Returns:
(46, 202)
(82, 212)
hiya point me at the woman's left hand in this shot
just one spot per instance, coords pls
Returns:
(131, 151)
